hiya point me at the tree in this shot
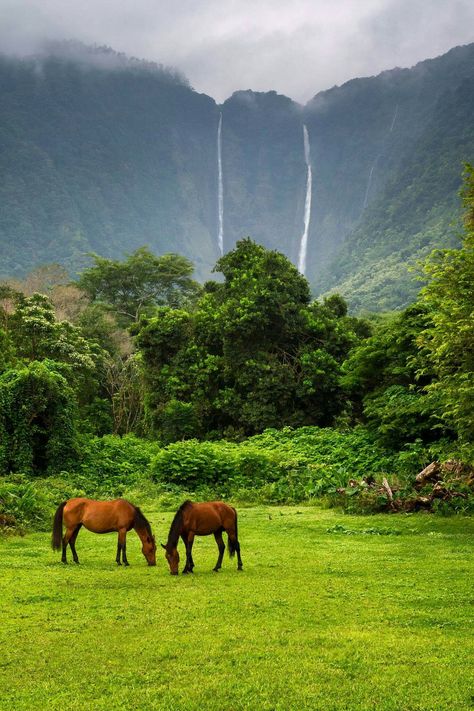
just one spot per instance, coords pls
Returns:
(139, 283)
(44, 279)
(449, 338)
(36, 335)
(37, 419)
(383, 380)
(253, 354)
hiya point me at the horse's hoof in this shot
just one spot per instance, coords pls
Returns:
(216, 570)
(126, 565)
(118, 562)
(64, 562)
(185, 572)
(240, 568)
(76, 562)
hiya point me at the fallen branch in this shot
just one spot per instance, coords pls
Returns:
(387, 488)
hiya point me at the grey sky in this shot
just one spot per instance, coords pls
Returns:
(297, 47)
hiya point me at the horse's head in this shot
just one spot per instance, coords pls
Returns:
(149, 549)
(172, 556)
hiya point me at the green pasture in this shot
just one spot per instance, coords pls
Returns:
(330, 612)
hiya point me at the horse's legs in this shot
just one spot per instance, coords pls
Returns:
(190, 551)
(188, 542)
(122, 546)
(185, 541)
(235, 545)
(221, 546)
(72, 542)
(66, 538)
(124, 549)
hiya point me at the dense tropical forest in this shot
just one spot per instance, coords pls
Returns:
(135, 378)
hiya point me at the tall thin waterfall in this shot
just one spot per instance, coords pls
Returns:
(394, 118)
(372, 167)
(220, 188)
(307, 203)
(369, 182)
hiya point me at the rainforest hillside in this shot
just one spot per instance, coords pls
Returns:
(102, 153)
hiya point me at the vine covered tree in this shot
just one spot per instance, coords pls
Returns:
(38, 437)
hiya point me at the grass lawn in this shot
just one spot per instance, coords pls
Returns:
(345, 619)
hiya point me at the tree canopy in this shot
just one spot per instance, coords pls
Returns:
(254, 353)
(141, 281)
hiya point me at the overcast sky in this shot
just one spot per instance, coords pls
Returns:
(297, 47)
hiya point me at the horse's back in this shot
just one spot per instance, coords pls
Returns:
(209, 516)
(99, 516)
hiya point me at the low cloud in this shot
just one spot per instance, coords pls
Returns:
(296, 48)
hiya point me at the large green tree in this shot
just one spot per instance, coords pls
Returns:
(385, 375)
(449, 338)
(255, 353)
(140, 282)
(414, 377)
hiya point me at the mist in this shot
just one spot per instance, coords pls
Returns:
(295, 48)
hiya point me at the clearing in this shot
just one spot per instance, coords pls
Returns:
(330, 612)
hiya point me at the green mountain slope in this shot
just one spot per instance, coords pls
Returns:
(416, 210)
(100, 152)
(366, 131)
(102, 159)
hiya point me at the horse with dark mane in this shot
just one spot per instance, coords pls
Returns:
(102, 517)
(201, 520)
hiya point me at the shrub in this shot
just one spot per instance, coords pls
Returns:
(277, 466)
(20, 503)
(111, 464)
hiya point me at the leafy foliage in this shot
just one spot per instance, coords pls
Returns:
(449, 338)
(37, 419)
(278, 465)
(255, 353)
(133, 286)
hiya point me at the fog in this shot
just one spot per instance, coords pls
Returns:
(296, 48)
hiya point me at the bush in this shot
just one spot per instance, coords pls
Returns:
(21, 504)
(111, 465)
(281, 466)
(194, 464)
(37, 419)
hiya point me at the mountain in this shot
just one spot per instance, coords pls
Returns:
(99, 152)
(103, 157)
(388, 155)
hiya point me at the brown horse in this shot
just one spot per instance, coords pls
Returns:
(102, 517)
(201, 520)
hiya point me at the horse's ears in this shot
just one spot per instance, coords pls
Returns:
(163, 546)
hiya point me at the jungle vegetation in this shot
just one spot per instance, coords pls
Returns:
(136, 375)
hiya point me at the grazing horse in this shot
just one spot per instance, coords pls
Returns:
(201, 520)
(102, 517)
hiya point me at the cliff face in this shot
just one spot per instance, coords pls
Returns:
(109, 155)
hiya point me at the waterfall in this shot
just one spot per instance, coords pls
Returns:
(372, 167)
(369, 182)
(394, 118)
(307, 203)
(220, 188)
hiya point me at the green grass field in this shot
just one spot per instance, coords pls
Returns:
(317, 619)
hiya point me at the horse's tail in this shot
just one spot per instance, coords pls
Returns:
(57, 537)
(233, 541)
